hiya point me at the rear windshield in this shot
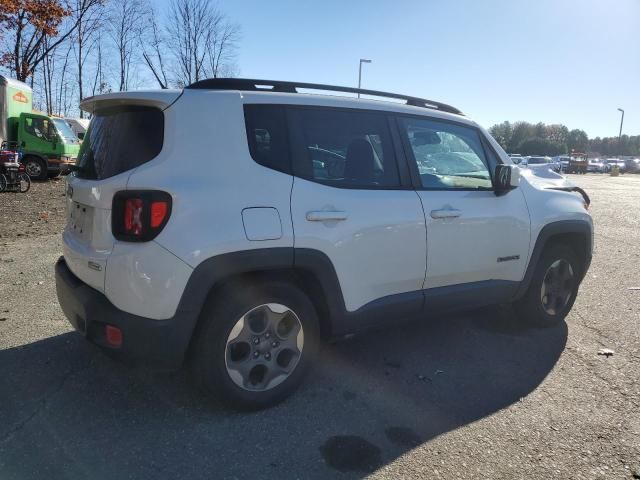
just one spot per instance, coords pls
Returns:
(119, 139)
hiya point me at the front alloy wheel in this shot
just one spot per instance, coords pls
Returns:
(557, 287)
(553, 288)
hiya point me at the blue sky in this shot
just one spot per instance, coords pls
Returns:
(557, 61)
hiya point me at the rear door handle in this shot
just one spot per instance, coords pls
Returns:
(326, 215)
(446, 213)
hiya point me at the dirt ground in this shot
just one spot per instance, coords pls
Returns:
(40, 211)
(471, 396)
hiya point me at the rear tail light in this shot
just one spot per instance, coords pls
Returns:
(158, 213)
(113, 335)
(133, 216)
(139, 215)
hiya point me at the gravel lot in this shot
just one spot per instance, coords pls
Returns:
(474, 396)
(37, 213)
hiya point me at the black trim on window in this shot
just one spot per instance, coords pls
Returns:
(407, 152)
(401, 159)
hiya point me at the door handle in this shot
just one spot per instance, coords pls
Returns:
(326, 215)
(446, 213)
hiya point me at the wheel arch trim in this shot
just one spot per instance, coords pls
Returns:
(28, 154)
(547, 233)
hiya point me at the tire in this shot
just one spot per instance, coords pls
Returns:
(24, 182)
(3, 183)
(221, 346)
(36, 168)
(540, 310)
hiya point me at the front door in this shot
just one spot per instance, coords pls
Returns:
(38, 134)
(472, 235)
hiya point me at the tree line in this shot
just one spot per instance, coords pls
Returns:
(556, 139)
(67, 50)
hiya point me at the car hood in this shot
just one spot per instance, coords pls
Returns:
(544, 178)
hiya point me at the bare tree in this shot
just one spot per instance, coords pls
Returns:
(57, 89)
(35, 29)
(201, 40)
(85, 38)
(127, 26)
(100, 84)
(222, 48)
(153, 50)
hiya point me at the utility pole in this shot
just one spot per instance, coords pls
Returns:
(621, 122)
(362, 60)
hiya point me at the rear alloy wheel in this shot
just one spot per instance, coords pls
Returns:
(35, 168)
(553, 288)
(264, 347)
(255, 343)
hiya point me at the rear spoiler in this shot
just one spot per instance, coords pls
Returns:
(161, 99)
(586, 198)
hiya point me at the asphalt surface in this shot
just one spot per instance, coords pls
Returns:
(471, 396)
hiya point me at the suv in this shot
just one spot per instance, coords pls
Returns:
(235, 223)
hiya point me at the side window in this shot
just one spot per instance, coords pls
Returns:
(448, 156)
(38, 127)
(267, 136)
(343, 148)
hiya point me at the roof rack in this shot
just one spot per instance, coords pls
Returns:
(292, 87)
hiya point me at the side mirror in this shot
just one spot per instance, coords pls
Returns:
(506, 178)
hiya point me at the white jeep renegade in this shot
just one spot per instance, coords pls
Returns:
(237, 222)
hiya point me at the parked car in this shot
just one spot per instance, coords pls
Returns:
(596, 166)
(516, 158)
(563, 161)
(310, 217)
(611, 162)
(541, 162)
(632, 165)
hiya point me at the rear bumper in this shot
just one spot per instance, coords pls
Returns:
(159, 344)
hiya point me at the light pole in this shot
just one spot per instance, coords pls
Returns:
(621, 122)
(362, 60)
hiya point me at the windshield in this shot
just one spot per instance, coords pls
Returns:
(64, 130)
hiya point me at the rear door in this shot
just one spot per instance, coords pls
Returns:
(352, 201)
(474, 238)
(119, 139)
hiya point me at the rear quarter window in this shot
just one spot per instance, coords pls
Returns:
(267, 136)
(120, 139)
